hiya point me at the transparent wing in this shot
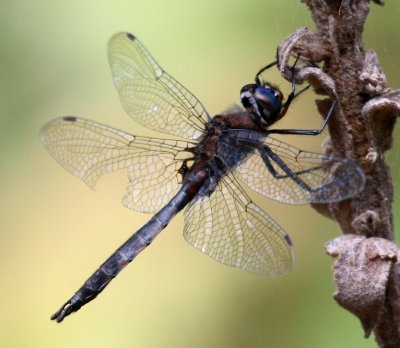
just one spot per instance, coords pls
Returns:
(89, 150)
(289, 175)
(149, 95)
(230, 228)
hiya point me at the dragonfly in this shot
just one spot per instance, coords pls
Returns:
(199, 164)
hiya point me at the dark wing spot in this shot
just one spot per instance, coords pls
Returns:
(130, 36)
(288, 240)
(70, 118)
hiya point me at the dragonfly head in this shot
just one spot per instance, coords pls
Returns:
(264, 102)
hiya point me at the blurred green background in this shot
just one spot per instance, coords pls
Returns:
(55, 231)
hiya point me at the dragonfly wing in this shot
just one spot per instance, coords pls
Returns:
(230, 228)
(318, 178)
(149, 95)
(89, 150)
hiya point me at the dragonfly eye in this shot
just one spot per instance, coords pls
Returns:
(269, 103)
(248, 100)
(262, 101)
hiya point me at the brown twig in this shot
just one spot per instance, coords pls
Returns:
(367, 271)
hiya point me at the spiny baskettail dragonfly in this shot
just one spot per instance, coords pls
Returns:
(201, 167)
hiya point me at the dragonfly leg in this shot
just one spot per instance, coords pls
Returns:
(267, 155)
(308, 131)
(292, 95)
(270, 65)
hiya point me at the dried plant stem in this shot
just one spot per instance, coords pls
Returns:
(367, 271)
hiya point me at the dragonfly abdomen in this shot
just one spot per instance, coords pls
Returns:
(133, 246)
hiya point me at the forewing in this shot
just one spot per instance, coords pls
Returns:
(89, 150)
(149, 95)
(326, 179)
(230, 228)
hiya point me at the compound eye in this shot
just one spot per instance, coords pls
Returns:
(247, 98)
(274, 91)
(267, 97)
(268, 103)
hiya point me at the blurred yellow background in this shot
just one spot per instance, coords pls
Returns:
(55, 231)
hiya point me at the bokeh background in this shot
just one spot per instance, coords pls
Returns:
(55, 231)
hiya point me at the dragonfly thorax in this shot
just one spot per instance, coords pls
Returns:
(265, 102)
